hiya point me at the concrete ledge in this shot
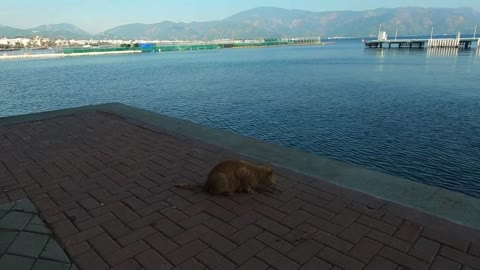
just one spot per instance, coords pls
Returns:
(440, 202)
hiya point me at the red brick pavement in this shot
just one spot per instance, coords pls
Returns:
(105, 186)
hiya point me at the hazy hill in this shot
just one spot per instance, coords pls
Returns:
(187, 31)
(270, 22)
(409, 21)
(276, 22)
(7, 31)
(61, 30)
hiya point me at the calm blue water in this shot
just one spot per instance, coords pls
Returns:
(414, 114)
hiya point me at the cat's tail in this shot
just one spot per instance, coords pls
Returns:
(189, 186)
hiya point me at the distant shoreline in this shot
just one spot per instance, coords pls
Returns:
(138, 51)
(62, 55)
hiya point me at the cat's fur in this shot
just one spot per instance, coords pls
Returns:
(231, 176)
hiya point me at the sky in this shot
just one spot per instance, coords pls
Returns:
(98, 15)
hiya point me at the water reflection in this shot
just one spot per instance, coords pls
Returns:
(442, 52)
(476, 59)
(432, 52)
(380, 54)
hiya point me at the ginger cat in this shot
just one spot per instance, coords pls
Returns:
(232, 176)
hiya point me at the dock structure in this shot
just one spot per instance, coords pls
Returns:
(458, 42)
(423, 43)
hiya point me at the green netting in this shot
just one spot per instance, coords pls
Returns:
(167, 48)
(97, 49)
(193, 47)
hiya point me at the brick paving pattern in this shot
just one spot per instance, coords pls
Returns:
(105, 186)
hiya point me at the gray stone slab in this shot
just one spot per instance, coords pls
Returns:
(2, 213)
(28, 244)
(15, 220)
(37, 229)
(36, 221)
(25, 205)
(7, 206)
(50, 265)
(13, 262)
(6, 238)
(54, 252)
(73, 267)
(36, 225)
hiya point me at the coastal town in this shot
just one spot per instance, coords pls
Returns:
(45, 42)
(49, 42)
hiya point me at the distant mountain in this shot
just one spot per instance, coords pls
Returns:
(61, 30)
(277, 22)
(7, 31)
(408, 21)
(163, 30)
(187, 31)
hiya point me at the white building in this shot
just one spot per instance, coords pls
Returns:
(13, 41)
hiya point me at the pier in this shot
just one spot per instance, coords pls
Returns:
(457, 42)
(465, 43)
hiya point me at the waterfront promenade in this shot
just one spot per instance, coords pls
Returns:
(103, 181)
(62, 55)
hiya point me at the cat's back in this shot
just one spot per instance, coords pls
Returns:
(225, 176)
(230, 166)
